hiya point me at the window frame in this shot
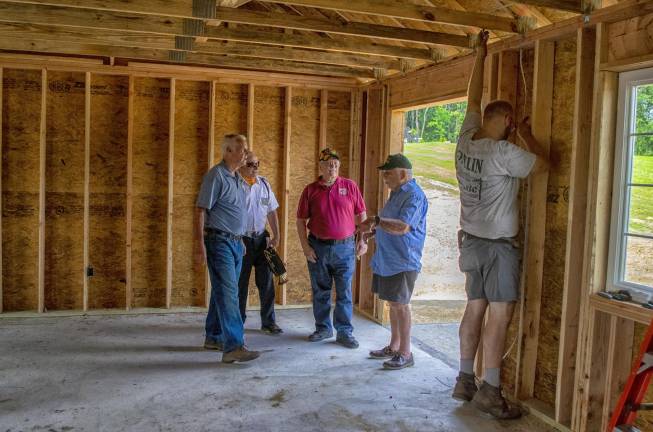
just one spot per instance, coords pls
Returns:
(623, 159)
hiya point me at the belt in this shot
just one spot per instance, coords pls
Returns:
(330, 241)
(511, 240)
(254, 234)
(221, 233)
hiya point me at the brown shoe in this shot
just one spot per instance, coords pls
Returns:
(465, 388)
(490, 400)
(399, 361)
(210, 344)
(385, 352)
(240, 355)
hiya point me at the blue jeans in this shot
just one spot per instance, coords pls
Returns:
(224, 258)
(335, 263)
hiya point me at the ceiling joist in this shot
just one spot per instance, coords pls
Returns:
(431, 14)
(566, 5)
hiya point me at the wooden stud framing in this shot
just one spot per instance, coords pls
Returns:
(1, 269)
(572, 291)
(251, 95)
(129, 291)
(171, 180)
(285, 208)
(87, 175)
(42, 156)
(620, 348)
(211, 157)
(324, 104)
(533, 268)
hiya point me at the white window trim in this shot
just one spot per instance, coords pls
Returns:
(620, 206)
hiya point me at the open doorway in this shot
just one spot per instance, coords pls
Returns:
(429, 141)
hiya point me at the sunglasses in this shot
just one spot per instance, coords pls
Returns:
(253, 164)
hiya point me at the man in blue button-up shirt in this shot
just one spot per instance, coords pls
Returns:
(400, 230)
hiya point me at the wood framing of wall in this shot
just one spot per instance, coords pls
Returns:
(98, 193)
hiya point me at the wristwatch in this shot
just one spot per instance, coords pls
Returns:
(377, 220)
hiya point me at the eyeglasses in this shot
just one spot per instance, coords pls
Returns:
(253, 164)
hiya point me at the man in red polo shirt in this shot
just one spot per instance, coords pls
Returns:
(330, 208)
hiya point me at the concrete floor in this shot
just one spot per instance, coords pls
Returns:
(148, 373)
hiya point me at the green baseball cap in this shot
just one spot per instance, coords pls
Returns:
(396, 161)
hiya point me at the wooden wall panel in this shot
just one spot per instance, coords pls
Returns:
(107, 188)
(630, 39)
(21, 112)
(64, 186)
(303, 170)
(190, 161)
(268, 127)
(556, 220)
(150, 165)
(338, 128)
(230, 112)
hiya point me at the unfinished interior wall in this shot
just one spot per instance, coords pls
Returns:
(21, 116)
(305, 135)
(107, 191)
(63, 140)
(64, 190)
(630, 40)
(150, 167)
(190, 163)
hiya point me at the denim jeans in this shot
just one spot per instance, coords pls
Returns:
(335, 264)
(263, 277)
(223, 322)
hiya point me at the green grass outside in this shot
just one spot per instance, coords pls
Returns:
(641, 201)
(435, 160)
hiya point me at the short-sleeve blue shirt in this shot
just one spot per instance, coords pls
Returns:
(224, 197)
(400, 253)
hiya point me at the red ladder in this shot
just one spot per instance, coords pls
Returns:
(630, 401)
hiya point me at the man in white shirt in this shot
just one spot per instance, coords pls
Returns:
(261, 208)
(488, 169)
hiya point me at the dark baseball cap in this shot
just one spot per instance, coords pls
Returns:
(396, 161)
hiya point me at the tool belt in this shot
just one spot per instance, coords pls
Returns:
(276, 264)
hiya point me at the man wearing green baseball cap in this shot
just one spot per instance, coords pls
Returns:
(400, 231)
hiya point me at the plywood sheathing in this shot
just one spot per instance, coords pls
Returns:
(108, 183)
(150, 165)
(230, 113)
(305, 137)
(190, 162)
(21, 113)
(564, 76)
(338, 128)
(630, 38)
(64, 187)
(268, 127)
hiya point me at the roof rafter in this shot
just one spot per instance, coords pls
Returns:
(431, 14)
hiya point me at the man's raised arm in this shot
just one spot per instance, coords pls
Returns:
(475, 89)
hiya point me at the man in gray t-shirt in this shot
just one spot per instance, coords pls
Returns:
(489, 168)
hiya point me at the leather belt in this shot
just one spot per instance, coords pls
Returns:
(330, 241)
(228, 235)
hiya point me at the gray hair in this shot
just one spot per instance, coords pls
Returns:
(230, 139)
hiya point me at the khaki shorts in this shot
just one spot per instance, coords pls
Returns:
(491, 268)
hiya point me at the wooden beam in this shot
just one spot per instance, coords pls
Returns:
(171, 196)
(538, 182)
(211, 157)
(42, 156)
(251, 94)
(285, 190)
(576, 219)
(193, 58)
(620, 358)
(566, 5)
(167, 42)
(87, 176)
(129, 291)
(324, 105)
(271, 19)
(507, 79)
(430, 14)
(1, 269)
(62, 16)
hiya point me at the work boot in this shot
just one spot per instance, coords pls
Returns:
(319, 335)
(240, 355)
(210, 344)
(465, 388)
(489, 400)
(348, 341)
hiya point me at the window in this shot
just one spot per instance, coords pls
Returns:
(631, 245)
